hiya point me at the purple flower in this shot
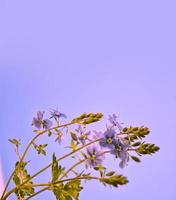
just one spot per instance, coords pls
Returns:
(121, 151)
(95, 156)
(47, 124)
(57, 115)
(96, 135)
(38, 121)
(83, 134)
(108, 139)
(113, 120)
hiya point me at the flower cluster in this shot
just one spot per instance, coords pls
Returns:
(88, 147)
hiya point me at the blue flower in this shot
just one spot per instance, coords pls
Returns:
(121, 151)
(113, 120)
(38, 121)
(83, 134)
(47, 124)
(56, 114)
(96, 135)
(95, 156)
(108, 139)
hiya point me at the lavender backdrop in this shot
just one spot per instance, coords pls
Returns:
(109, 56)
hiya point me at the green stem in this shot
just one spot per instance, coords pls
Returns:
(46, 167)
(61, 181)
(26, 150)
(71, 168)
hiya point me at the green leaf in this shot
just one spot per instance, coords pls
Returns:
(136, 159)
(49, 133)
(69, 191)
(136, 144)
(99, 168)
(73, 145)
(40, 148)
(21, 175)
(15, 142)
(114, 180)
(147, 148)
(56, 169)
(73, 188)
(73, 136)
(110, 173)
(87, 118)
(139, 132)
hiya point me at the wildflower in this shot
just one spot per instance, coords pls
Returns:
(39, 122)
(47, 124)
(83, 135)
(96, 135)
(121, 151)
(57, 115)
(95, 156)
(113, 120)
(108, 139)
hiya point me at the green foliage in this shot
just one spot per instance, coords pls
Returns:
(69, 191)
(73, 145)
(87, 118)
(56, 169)
(40, 148)
(136, 132)
(136, 159)
(15, 142)
(101, 170)
(115, 180)
(110, 173)
(130, 139)
(146, 148)
(73, 136)
(20, 176)
(136, 144)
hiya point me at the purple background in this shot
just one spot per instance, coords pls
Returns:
(108, 56)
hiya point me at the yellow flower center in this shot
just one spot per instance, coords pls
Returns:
(84, 136)
(93, 157)
(109, 140)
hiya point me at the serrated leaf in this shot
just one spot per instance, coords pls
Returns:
(56, 169)
(21, 175)
(69, 191)
(73, 188)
